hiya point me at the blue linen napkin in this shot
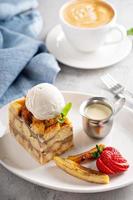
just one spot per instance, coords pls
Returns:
(24, 61)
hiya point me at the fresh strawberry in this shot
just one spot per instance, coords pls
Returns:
(110, 161)
(103, 168)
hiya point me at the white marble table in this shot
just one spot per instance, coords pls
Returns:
(13, 187)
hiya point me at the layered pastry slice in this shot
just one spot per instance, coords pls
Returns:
(38, 124)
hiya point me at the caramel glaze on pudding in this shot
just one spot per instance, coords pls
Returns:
(88, 13)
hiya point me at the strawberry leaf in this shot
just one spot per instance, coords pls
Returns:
(97, 153)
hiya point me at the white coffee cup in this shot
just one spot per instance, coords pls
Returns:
(90, 39)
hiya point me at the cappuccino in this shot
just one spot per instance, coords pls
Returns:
(88, 13)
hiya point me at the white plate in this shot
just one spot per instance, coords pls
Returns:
(106, 56)
(17, 160)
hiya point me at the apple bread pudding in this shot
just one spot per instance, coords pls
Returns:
(43, 139)
(40, 124)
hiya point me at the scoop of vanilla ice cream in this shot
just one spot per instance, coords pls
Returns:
(44, 101)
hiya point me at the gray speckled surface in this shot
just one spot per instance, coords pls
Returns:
(13, 187)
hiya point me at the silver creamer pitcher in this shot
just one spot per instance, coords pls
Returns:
(99, 128)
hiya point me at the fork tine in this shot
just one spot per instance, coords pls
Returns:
(112, 84)
(111, 78)
(105, 81)
(108, 81)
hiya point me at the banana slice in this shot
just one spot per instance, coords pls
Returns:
(81, 172)
(85, 156)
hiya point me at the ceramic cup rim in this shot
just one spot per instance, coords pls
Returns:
(86, 28)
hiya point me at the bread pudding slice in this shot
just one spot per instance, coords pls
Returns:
(43, 139)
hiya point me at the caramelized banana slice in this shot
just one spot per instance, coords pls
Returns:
(81, 172)
(85, 156)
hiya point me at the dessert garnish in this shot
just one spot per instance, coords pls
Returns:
(97, 153)
(64, 112)
(110, 161)
(87, 155)
(80, 171)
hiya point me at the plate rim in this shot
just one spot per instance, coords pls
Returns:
(64, 189)
(86, 68)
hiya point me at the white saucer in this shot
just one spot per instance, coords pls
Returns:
(106, 56)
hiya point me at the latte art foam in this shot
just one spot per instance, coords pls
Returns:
(88, 13)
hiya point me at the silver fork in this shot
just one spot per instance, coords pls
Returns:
(116, 88)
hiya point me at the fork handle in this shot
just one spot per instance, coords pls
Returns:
(128, 102)
(130, 94)
(119, 103)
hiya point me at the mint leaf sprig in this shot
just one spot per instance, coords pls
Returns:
(130, 31)
(64, 112)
